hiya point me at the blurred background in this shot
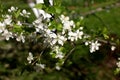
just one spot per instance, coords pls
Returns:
(80, 65)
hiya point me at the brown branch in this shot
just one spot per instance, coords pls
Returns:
(105, 41)
(66, 57)
(117, 4)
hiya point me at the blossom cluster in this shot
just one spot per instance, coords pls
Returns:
(10, 23)
(55, 33)
(94, 45)
(12, 27)
(66, 33)
(57, 39)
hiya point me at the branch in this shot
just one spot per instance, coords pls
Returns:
(66, 57)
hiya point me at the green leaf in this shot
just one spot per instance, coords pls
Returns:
(17, 14)
(57, 2)
(105, 33)
(39, 6)
(50, 10)
(58, 10)
(105, 30)
(17, 28)
(106, 36)
(59, 27)
(117, 71)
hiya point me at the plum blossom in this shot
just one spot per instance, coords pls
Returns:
(24, 13)
(39, 1)
(8, 19)
(40, 27)
(40, 65)
(118, 64)
(72, 36)
(59, 55)
(51, 2)
(20, 38)
(12, 9)
(58, 38)
(94, 46)
(30, 57)
(79, 34)
(87, 43)
(67, 24)
(39, 24)
(57, 67)
(81, 28)
(57, 52)
(7, 34)
(2, 27)
(64, 19)
(113, 48)
(45, 15)
(19, 23)
(53, 38)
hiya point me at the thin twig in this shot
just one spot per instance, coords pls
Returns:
(66, 57)
(104, 41)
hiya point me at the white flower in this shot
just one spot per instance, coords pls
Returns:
(39, 27)
(79, 34)
(113, 48)
(59, 55)
(64, 19)
(52, 38)
(45, 15)
(19, 23)
(81, 28)
(72, 36)
(67, 24)
(57, 67)
(51, 2)
(86, 43)
(8, 20)
(12, 9)
(2, 27)
(21, 38)
(118, 64)
(39, 1)
(94, 46)
(24, 13)
(56, 49)
(118, 58)
(41, 65)
(58, 38)
(30, 57)
(7, 34)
